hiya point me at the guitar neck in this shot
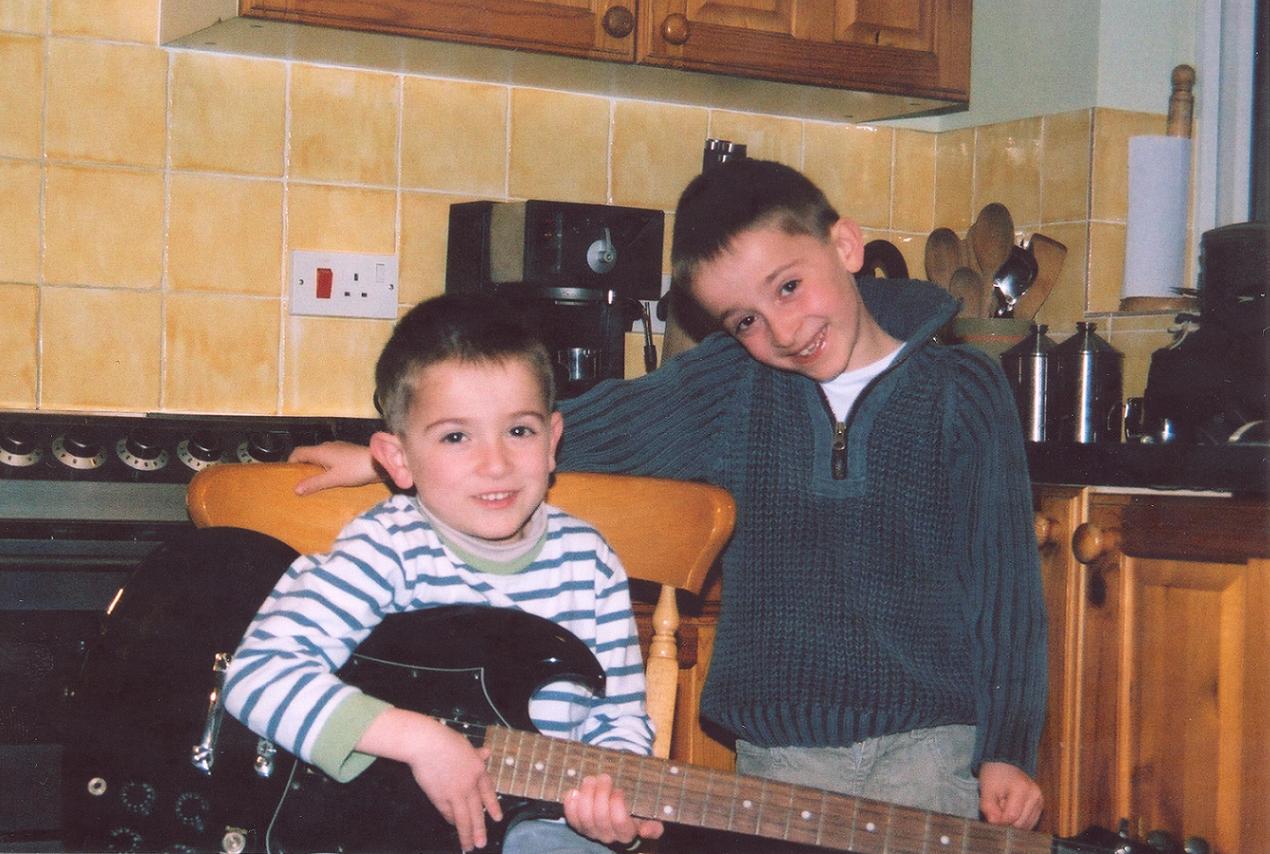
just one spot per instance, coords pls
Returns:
(529, 765)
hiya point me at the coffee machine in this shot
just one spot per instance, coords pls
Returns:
(575, 272)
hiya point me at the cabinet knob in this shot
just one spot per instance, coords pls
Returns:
(1046, 530)
(618, 22)
(675, 29)
(1091, 542)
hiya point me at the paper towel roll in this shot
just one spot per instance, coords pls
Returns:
(1155, 240)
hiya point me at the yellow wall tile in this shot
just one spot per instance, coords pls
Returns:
(559, 147)
(656, 152)
(228, 113)
(221, 354)
(1109, 184)
(1106, 266)
(19, 221)
(93, 116)
(913, 182)
(100, 349)
(1066, 302)
(21, 94)
(454, 137)
(344, 125)
(122, 20)
(425, 230)
(954, 179)
(913, 248)
(225, 234)
(1065, 149)
(23, 16)
(765, 137)
(1007, 168)
(341, 219)
(18, 324)
(103, 226)
(852, 166)
(330, 365)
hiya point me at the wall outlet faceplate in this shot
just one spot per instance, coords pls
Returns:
(344, 284)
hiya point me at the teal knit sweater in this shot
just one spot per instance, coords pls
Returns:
(902, 592)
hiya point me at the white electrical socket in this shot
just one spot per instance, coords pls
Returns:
(344, 284)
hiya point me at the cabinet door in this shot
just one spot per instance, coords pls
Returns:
(1188, 644)
(913, 47)
(597, 29)
(1058, 511)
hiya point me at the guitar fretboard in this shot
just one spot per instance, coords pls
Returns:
(529, 765)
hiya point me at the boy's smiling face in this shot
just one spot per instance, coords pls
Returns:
(791, 300)
(479, 446)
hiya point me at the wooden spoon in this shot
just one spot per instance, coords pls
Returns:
(944, 253)
(1049, 255)
(968, 286)
(990, 239)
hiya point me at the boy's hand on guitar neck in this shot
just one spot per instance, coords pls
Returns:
(449, 770)
(1007, 795)
(597, 810)
(344, 464)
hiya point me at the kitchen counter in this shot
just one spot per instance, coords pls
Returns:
(1238, 469)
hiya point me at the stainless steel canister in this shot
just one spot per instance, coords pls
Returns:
(1030, 370)
(1088, 388)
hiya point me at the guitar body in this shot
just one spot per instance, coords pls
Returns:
(143, 701)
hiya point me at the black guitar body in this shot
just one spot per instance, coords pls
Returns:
(143, 701)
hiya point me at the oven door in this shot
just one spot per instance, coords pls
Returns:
(56, 581)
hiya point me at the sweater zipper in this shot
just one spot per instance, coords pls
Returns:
(838, 452)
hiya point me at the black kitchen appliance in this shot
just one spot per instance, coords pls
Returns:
(576, 272)
(1212, 385)
(83, 500)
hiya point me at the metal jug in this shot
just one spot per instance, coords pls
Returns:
(1088, 388)
(1030, 370)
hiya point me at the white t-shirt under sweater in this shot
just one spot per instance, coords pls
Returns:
(392, 559)
(842, 390)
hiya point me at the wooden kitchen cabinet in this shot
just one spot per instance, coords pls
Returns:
(918, 48)
(595, 29)
(1160, 664)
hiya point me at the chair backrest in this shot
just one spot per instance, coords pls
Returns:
(665, 531)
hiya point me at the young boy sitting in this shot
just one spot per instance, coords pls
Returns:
(468, 402)
(882, 630)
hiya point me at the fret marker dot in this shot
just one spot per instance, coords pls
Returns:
(806, 814)
(944, 840)
(509, 761)
(571, 773)
(668, 809)
(674, 769)
(747, 803)
(870, 827)
(538, 766)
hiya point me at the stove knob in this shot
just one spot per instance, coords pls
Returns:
(200, 450)
(19, 447)
(78, 451)
(142, 450)
(261, 448)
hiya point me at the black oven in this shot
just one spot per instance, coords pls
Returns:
(83, 499)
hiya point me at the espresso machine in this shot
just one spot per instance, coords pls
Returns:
(578, 273)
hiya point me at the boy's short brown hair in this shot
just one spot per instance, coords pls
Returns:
(466, 328)
(739, 195)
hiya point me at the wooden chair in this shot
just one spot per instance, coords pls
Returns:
(665, 531)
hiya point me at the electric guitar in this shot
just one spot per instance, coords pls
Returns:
(155, 764)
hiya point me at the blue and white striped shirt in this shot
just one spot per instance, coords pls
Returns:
(389, 560)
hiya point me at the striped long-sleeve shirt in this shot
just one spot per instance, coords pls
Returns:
(282, 681)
